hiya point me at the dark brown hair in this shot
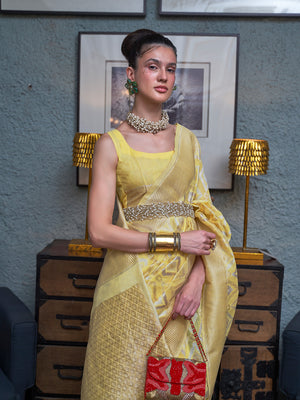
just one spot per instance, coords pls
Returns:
(132, 46)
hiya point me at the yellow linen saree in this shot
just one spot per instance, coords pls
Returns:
(135, 293)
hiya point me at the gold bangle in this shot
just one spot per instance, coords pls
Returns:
(164, 242)
(177, 241)
(152, 242)
(175, 244)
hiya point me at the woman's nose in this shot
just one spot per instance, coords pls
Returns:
(163, 75)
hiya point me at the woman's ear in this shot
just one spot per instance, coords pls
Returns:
(130, 73)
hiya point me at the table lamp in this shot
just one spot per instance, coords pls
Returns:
(83, 151)
(248, 157)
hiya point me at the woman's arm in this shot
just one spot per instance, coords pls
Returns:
(188, 299)
(102, 200)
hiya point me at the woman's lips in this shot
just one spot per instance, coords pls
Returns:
(161, 89)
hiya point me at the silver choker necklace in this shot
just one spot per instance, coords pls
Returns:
(145, 126)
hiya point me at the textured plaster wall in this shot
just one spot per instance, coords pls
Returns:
(38, 82)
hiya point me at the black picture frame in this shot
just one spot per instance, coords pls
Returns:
(100, 60)
(230, 8)
(77, 7)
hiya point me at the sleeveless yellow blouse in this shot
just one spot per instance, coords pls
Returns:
(136, 169)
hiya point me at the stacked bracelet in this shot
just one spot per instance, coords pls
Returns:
(164, 242)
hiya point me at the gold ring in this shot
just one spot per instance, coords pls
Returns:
(213, 244)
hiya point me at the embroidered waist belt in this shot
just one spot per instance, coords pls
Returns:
(158, 210)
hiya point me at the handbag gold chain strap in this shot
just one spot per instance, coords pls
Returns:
(199, 344)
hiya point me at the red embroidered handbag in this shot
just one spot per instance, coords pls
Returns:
(175, 378)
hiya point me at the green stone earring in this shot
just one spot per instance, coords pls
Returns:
(174, 87)
(131, 86)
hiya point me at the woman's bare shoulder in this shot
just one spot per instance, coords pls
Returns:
(104, 141)
(105, 148)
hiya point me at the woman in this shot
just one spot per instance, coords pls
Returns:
(156, 172)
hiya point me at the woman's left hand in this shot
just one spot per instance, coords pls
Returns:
(188, 299)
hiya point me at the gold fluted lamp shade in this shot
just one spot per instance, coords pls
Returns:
(83, 152)
(83, 149)
(248, 157)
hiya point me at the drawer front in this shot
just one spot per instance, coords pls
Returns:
(247, 372)
(64, 320)
(59, 370)
(258, 287)
(69, 278)
(253, 326)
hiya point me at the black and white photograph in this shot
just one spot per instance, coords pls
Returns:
(187, 106)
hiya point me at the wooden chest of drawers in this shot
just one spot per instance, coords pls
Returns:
(64, 293)
(249, 366)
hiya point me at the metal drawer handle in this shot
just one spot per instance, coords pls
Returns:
(244, 286)
(75, 277)
(68, 367)
(83, 318)
(256, 328)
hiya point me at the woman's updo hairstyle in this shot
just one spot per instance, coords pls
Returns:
(133, 45)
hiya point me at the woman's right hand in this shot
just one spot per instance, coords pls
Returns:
(197, 242)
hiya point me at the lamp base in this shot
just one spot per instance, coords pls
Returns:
(248, 256)
(83, 247)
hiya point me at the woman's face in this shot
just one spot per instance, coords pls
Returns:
(155, 74)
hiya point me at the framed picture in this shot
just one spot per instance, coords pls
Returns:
(132, 7)
(204, 100)
(230, 7)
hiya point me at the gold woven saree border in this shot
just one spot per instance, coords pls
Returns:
(158, 210)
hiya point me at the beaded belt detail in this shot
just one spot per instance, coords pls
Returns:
(158, 210)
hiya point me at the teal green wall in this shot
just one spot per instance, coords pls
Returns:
(38, 109)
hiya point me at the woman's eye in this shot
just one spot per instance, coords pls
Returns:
(153, 67)
(171, 70)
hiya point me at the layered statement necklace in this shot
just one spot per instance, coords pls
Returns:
(142, 125)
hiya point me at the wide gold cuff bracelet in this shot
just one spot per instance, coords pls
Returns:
(164, 242)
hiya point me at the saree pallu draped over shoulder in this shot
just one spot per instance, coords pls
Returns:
(135, 293)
